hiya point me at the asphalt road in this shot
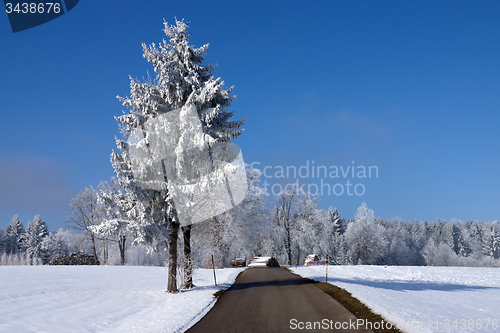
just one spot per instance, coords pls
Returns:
(275, 300)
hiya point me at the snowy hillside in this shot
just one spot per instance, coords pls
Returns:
(456, 299)
(102, 299)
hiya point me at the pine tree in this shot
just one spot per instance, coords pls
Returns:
(460, 247)
(3, 241)
(33, 237)
(14, 231)
(336, 222)
(491, 242)
(181, 81)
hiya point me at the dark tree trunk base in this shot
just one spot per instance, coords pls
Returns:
(188, 265)
(172, 259)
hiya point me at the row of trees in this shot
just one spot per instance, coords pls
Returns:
(300, 228)
(294, 227)
(34, 244)
(30, 244)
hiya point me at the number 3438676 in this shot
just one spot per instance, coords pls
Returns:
(33, 8)
(471, 324)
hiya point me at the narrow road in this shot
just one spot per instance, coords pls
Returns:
(275, 300)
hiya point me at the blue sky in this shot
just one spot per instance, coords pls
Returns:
(412, 88)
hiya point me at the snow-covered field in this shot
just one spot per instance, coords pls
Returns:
(102, 299)
(422, 299)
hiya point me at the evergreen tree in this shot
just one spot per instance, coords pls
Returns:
(3, 241)
(491, 242)
(33, 237)
(336, 222)
(460, 247)
(445, 233)
(181, 80)
(14, 231)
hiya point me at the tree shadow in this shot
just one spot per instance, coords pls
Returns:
(405, 285)
(273, 283)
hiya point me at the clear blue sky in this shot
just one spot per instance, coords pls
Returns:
(412, 88)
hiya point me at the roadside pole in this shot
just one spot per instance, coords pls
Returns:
(213, 267)
(326, 274)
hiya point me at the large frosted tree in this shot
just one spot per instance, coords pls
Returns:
(182, 80)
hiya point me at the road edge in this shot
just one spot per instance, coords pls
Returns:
(351, 304)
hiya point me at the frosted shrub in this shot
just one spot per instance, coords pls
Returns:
(18, 259)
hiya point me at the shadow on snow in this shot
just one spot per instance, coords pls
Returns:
(405, 285)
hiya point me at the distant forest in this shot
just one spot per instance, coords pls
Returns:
(294, 227)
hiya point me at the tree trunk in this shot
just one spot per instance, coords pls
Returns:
(188, 265)
(105, 250)
(93, 247)
(298, 255)
(121, 245)
(172, 259)
(288, 245)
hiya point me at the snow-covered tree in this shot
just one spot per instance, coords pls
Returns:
(365, 237)
(284, 221)
(238, 233)
(86, 213)
(114, 202)
(32, 238)
(310, 232)
(3, 241)
(339, 250)
(335, 227)
(14, 231)
(336, 221)
(57, 243)
(398, 251)
(460, 246)
(491, 241)
(253, 215)
(417, 241)
(181, 81)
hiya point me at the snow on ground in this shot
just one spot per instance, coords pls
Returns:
(422, 299)
(102, 299)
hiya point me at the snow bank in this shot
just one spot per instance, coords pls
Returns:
(422, 299)
(102, 299)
